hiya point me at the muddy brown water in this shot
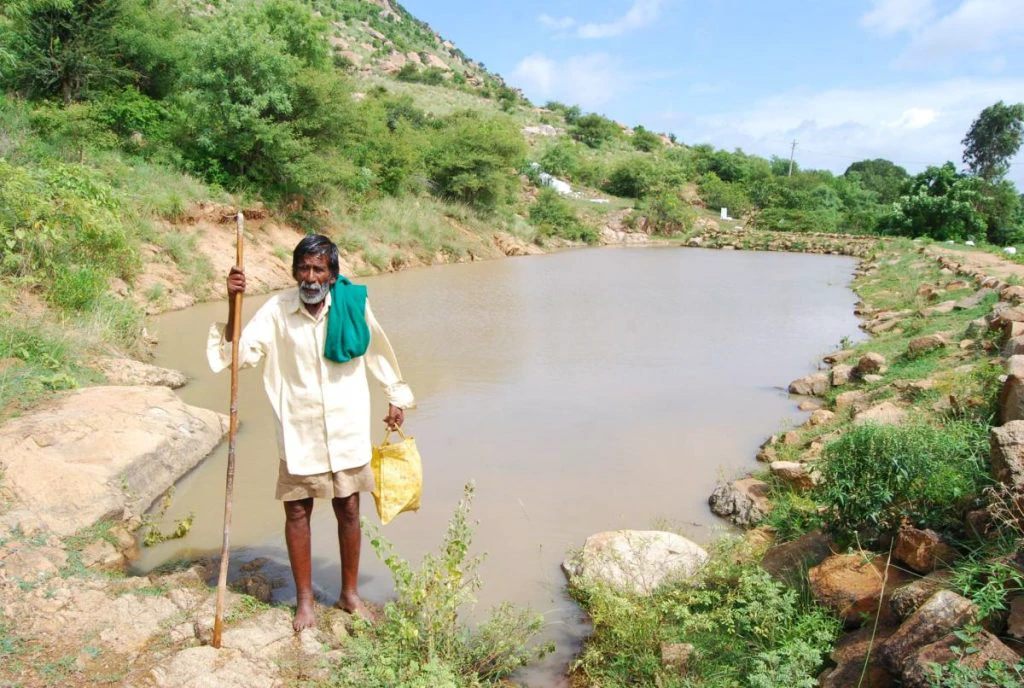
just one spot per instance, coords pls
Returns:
(582, 391)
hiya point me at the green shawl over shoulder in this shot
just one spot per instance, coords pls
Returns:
(348, 335)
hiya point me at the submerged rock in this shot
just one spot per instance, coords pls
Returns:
(636, 561)
(744, 502)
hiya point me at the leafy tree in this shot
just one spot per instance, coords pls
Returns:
(665, 213)
(253, 110)
(994, 137)
(474, 157)
(562, 160)
(880, 176)
(553, 216)
(632, 178)
(644, 140)
(1001, 206)
(939, 203)
(720, 194)
(64, 48)
(594, 130)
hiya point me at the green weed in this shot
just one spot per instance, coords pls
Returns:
(876, 476)
(746, 628)
(420, 641)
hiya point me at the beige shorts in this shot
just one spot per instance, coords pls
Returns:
(323, 485)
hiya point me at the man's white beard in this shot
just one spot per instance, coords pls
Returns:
(310, 298)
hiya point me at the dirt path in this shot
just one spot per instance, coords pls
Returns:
(988, 263)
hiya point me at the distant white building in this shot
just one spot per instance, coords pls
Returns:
(558, 185)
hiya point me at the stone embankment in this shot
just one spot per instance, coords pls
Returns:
(904, 596)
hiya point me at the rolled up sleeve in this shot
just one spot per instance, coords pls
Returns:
(383, 365)
(251, 345)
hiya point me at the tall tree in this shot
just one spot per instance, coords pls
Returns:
(880, 176)
(993, 139)
(64, 48)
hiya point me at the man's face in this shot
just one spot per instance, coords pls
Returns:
(313, 275)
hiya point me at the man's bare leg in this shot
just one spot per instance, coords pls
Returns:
(350, 536)
(296, 535)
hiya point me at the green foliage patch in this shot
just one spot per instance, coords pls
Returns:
(420, 641)
(746, 628)
(875, 476)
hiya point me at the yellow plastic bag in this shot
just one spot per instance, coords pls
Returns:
(398, 477)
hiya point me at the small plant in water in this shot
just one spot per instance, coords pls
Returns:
(419, 641)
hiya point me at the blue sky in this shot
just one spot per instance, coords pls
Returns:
(848, 79)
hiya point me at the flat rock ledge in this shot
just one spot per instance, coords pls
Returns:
(636, 561)
(102, 452)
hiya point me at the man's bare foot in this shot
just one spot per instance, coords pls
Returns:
(305, 617)
(354, 605)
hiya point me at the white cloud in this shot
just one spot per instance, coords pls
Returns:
(642, 13)
(913, 126)
(971, 26)
(914, 118)
(974, 26)
(556, 24)
(892, 16)
(587, 80)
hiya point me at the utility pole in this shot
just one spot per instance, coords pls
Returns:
(792, 150)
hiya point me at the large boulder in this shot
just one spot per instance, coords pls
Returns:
(984, 648)
(908, 599)
(855, 586)
(1011, 396)
(1007, 452)
(788, 561)
(842, 374)
(857, 661)
(794, 473)
(636, 561)
(923, 550)
(870, 363)
(815, 385)
(103, 452)
(922, 345)
(885, 413)
(744, 502)
(944, 612)
(127, 371)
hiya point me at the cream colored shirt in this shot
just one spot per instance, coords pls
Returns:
(322, 407)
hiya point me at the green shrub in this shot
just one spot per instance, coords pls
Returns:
(666, 213)
(554, 217)
(788, 220)
(420, 641)
(594, 130)
(939, 203)
(58, 218)
(473, 159)
(632, 178)
(719, 194)
(747, 630)
(875, 476)
(562, 160)
(77, 287)
(644, 140)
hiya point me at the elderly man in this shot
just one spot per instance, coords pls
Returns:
(317, 343)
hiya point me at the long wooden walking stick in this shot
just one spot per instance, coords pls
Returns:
(236, 330)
